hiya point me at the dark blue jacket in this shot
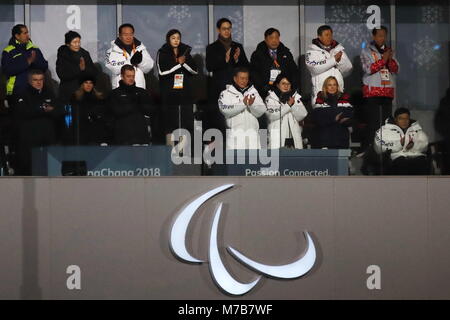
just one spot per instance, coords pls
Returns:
(331, 133)
(15, 65)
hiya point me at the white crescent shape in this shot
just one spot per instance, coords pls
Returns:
(177, 241)
(288, 271)
(220, 274)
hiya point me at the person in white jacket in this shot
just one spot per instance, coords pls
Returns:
(126, 49)
(325, 58)
(406, 142)
(284, 111)
(241, 105)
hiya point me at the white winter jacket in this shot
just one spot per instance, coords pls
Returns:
(290, 115)
(389, 136)
(322, 64)
(116, 59)
(241, 120)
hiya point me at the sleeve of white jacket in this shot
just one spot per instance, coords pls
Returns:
(366, 61)
(112, 61)
(147, 62)
(317, 63)
(273, 109)
(421, 142)
(298, 109)
(228, 109)
(390, 141)
(258, 108)
(344, 66)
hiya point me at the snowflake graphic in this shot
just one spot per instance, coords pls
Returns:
(345, 13)
(432, 14)
(348, 21)
(179, 13)
(238, 25)
(425, 54)
(351, 35)
(102, 47)
(198, 45)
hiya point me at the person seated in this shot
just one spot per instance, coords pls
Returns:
(36, 115)
(406, 142)
(241, 105)
(284, 103)
(86, 122)
(332, 114)
(129, 106)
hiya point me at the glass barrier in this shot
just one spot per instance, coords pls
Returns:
(414, 78)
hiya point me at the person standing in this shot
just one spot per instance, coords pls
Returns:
(222, 57)
(326, 57)
(176, 68)
(127, 50)
(72, 61)
(18, 58)
(271, 58)
(380, 68)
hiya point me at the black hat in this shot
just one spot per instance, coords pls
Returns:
(280, 77)
(87, 77)
(69, 36)
(400, 111)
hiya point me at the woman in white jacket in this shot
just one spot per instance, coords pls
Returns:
(284, 111)
(241, 105)
(406, 142)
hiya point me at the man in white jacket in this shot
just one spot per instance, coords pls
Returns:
(325, 58)
(241, 105)
(406, 142)
(126, 49)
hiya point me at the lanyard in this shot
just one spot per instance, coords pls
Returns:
(125, 51)
(275, 62)
(274, 55)
(374, 55)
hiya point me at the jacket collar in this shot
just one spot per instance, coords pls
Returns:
(117, 48)
(168, 48)
(122, 85)
(414, 124)
(262, 47)
(375, 48)
(315, 47)
(34, 91)
(13, 42)
(319, 44)
(231, 88)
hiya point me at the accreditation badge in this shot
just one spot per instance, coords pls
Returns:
(385, 77)
(178, 81)
(273, 75)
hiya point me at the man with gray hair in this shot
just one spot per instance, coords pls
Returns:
(36, 113)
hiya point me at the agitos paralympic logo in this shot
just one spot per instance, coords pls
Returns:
(221, 276)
